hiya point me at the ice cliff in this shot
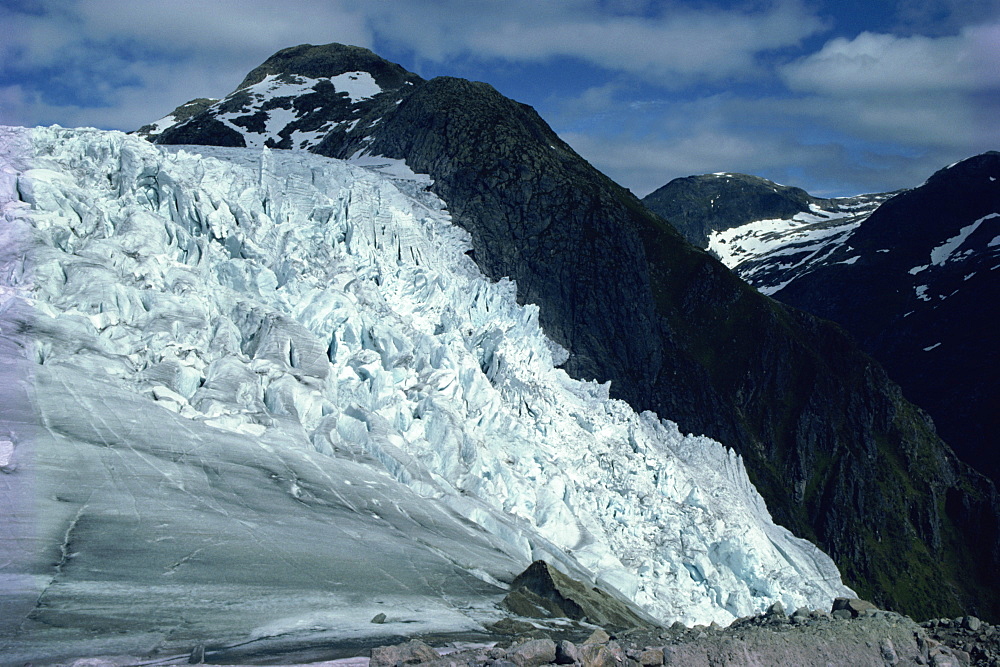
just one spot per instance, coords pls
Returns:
(231, 373)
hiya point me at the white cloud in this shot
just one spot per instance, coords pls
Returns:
(232, 26)
(890, 65)
(816, 143)
(680, 41)
(120, 64)
(928, 93)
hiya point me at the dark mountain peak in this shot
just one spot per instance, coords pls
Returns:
(922, 218)
(987, 164)
(699, 205)
(178, 115)
(330, 60)
(298, 98)
(469, 117)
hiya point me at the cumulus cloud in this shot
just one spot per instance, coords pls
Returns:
(890, 65)
(849, 150)
(678, 41)
(943, 17)
(922, 91)
(120, 64)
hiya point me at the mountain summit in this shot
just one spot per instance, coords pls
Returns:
(296, 99)
(840, 457)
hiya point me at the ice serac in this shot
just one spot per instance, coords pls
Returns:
(269, 390)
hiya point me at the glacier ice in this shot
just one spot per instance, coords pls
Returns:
(211, 354)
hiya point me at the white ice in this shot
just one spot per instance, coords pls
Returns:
(211, 337)
(947, 251)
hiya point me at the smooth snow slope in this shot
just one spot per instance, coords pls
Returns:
(249, 392)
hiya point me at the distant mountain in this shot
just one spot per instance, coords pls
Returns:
(840, 457)
(915, 279)
(768, 233)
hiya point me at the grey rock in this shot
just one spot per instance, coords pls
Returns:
(533, 653)
(542, 591)
(567, 653)
(602, 655)
(843, 614)
(888, 652)
(804, 612)
(651, 657)
(197, 656)
(412, 652)
(598, 636)
(853, 605)
(511, 626)
(379, 618)
(972, 623)
(776, 610)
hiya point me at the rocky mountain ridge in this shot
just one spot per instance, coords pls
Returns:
(908, 278)
(769, 234)
(839, 455)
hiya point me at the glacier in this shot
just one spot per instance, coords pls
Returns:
(248, 393)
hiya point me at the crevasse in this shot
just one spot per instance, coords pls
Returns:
(252, 291)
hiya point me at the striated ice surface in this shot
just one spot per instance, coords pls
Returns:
(232, 370)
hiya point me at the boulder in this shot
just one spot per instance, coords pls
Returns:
(598, 636)
(533, 653)
(542, 591)
(971, 623)
(602, 655)
(410, 653)
(567, 653)
(853, 605)
(777, 610)
(651, 657)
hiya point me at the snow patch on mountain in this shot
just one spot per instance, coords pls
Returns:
(329, 316)
(771, 253)
(269, 106)
(946, 251)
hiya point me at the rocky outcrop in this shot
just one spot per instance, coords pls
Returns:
(840, 457)
(699, 205)
(542, 591)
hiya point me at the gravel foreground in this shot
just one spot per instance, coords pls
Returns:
(853, 633)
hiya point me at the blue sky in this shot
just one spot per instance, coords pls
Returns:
(836, 97)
